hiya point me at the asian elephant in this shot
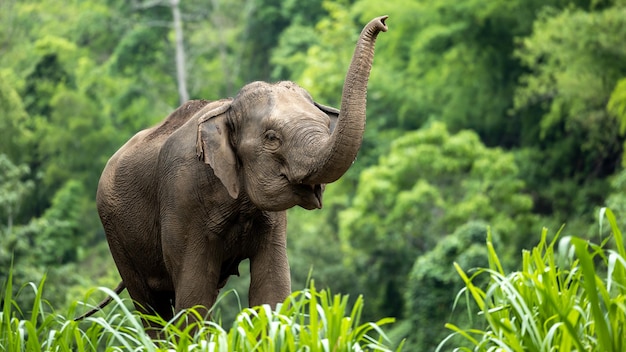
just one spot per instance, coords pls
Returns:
(184, 202)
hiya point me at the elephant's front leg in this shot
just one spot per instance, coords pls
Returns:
(195, 271)
(270, 279)
(197, 284)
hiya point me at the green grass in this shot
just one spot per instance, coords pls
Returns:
(308, 320)
(569, 295)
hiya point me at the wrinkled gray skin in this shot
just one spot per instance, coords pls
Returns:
(184, 202)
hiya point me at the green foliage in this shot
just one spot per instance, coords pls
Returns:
(308, 320)
(568, 295)
(429, 184)
(572, 95)
(576, 61)
(13, 116)
(289, 57)
(616, 200)
(13, 189)
(323, 66)
(52, 244)
(617, 104)
(316, 251)
(429, 297)
(57, 232)
(263, 28)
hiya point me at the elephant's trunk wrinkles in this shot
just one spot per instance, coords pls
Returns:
(341, 150)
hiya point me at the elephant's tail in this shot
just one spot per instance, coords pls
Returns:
(120, 287)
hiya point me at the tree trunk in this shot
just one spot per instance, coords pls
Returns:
(181, 69)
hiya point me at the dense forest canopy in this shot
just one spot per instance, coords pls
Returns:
(506, 115)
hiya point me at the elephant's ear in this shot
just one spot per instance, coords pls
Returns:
(331, 112)
(213, 146)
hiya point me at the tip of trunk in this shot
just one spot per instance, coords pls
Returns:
(380, 24)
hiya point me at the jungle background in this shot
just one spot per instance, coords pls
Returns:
(483, 115)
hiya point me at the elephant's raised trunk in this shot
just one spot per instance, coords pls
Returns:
(341, 150)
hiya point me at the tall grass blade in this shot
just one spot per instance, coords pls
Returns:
(476, 293)
(592, 289)
(494, 261)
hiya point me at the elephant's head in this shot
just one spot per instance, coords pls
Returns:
(279, 146)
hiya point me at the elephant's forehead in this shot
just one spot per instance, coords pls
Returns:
(289, 108)
(300, 119)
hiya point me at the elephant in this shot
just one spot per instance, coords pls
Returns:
(184, 202)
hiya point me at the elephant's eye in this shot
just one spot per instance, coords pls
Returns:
(271, 135)
(272, 139)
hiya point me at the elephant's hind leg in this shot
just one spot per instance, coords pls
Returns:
(157, 308)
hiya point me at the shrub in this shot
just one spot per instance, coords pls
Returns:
(570, 295)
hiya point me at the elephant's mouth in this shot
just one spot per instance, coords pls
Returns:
(310, 195)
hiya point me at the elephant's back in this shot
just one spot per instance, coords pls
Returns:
(127, 184)
(176, 119)
(130, 172)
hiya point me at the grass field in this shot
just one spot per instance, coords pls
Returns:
(308, 320)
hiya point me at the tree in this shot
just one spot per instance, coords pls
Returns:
(275, 31)
(433, 286)
(617, 106)
(429, 184)
(51, 244)
(181, 67)
(576, 61)
(12, 118)
(56, 234)
(321, 65)
(13, 189)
